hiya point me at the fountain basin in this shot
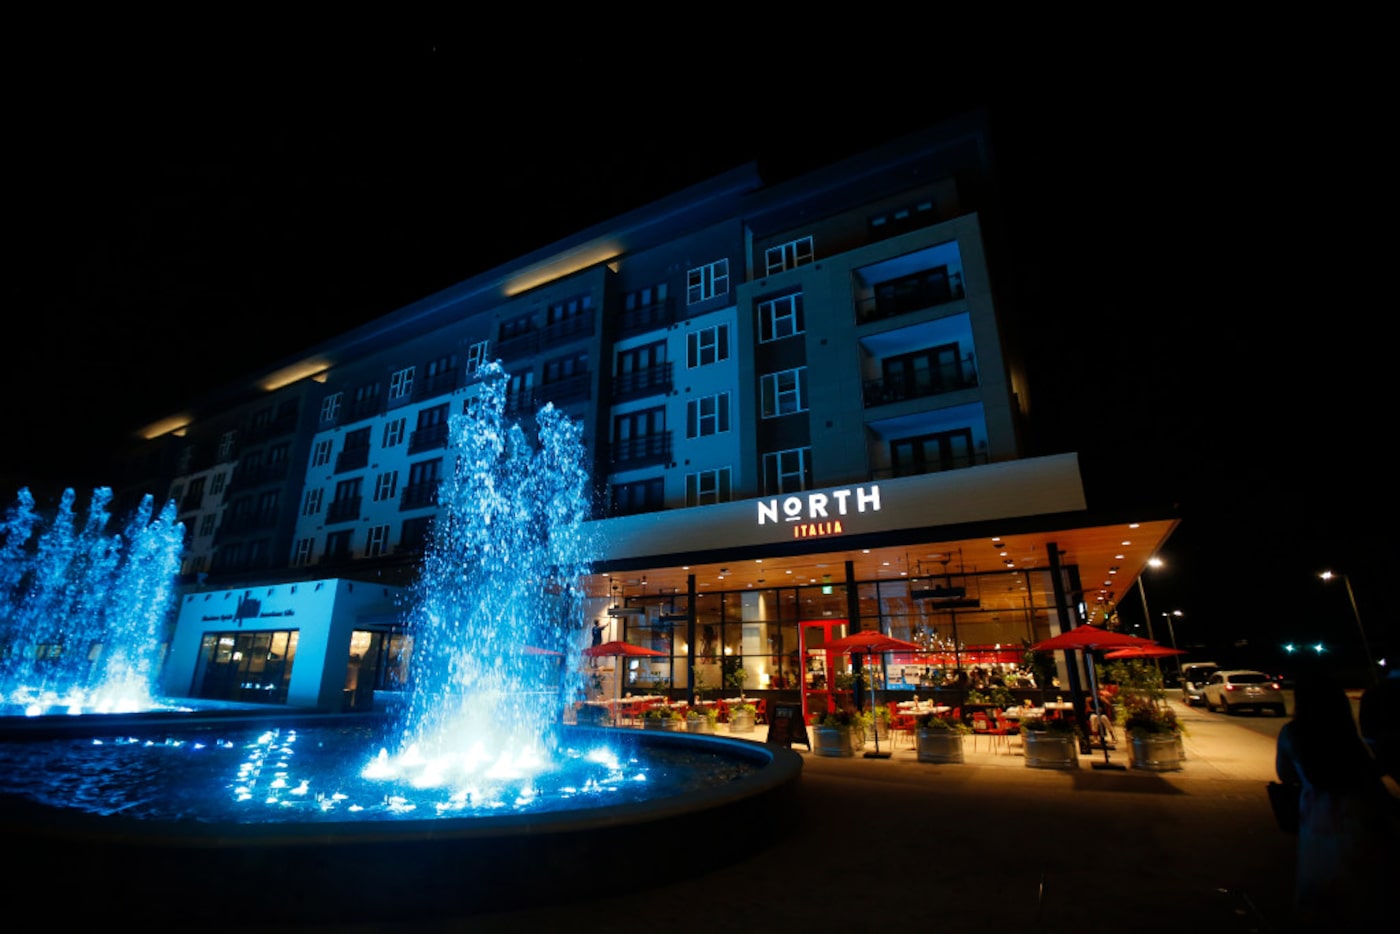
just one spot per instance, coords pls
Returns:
(408, 869)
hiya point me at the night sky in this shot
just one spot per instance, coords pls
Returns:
(180, 215)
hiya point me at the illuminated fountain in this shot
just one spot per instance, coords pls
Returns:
(83, 611)
(475, 797)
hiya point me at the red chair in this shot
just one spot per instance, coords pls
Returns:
(760, 710)
(984, 724)
(1006, 726)
(901, 724)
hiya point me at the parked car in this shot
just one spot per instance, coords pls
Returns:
(1232, 690)
(1194, 676)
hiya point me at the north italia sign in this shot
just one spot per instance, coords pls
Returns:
(818, 514)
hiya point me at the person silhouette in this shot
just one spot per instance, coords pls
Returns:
(1348, 822)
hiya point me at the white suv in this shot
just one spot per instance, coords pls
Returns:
(1235, 689)
(1194, 676)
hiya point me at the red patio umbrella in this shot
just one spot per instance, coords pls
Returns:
(1144, 651)
(871, 642)
(619, 649)
(1090, 638)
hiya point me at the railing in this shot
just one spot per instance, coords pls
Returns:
(652, 381)
(439, 384)
(569, 389)
(245, 477)
(647, 318)
(943, 379)
(911, 293)
(343, 510)
(918, 470)
(428, 438)
(419, 495)
(352, 459)
(642, 450)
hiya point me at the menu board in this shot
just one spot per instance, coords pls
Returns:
(787, 726)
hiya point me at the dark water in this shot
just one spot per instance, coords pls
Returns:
(312, 774)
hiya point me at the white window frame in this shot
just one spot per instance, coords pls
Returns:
(707, 487)
(302, 552)
(216, 483)
(706, 282)
(330, 406)
(789, 255)
(226, 442)
(401, 384)
(393, 432)
(321, 453)
(780, 317)
(785, 472)
(376, 540)
(708, 415)
(707, 346)
(206, 525)
(386, 486)
(312, 504)
(783, 393)
(476, 355)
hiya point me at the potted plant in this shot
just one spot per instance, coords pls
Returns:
(1050, 744)
(939, 738)
(1154, 733)
(702, 720)
(743, 718)
(840, 732)
(736, 679)
(662, 717)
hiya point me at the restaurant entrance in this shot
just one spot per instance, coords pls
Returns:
(819, 689)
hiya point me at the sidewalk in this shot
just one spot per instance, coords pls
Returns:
(895, 844)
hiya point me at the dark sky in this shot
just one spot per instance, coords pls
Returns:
(184, 214)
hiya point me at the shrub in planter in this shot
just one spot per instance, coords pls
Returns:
(939, 739)
(1050, 744)
(840, 732)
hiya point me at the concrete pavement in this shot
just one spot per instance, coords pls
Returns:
(898, 845)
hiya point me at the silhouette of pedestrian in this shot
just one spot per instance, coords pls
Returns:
(1348, 829)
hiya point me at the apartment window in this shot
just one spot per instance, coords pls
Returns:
(226, 442)
(646, 297)
(216, 483)
(206, 525)
(338, 546)
(347, 490)
(401, 384)
(640, 359)
(301, 552)
(393, 432)
(439, 376)
(707, 345)
(330, 406)
(705, 487)
(476, 356)
(707, 416)
(376, 540)
(312, 504)
(946, 450)
(414, 536)
(706, 282)
(517, 326)
(267, 507)
(780, 317)
(642, 496)
(787, 471)
(784, 392)
(569, 308)
(386, 486)
(562, 368)
(321, 454)
(789, 255)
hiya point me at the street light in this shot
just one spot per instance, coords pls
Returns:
(1172, 632)
(1153, 562)
(1366, 645)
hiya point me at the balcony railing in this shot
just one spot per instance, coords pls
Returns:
(245, 477)
(928, 467)
(438, 384)
(647, 318)
(352, 459)
(642, 450)
(653, 381)
(343, 510)
(419, 495)
(924, 383)
(911, 293)
(428, 438)
(570, 389)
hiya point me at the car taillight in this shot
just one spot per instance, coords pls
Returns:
(1275, 686)
(1229, 687)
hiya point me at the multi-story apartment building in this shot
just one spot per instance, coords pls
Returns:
(730, 348)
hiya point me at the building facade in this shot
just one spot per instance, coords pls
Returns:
(729, 350)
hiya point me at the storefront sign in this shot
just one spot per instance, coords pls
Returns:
(816, 515)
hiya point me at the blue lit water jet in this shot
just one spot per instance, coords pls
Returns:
(83, 611)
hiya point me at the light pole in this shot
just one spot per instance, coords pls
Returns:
(1153, 562)
(1172, 632)
(1365, 644)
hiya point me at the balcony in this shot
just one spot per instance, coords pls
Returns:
(438, 384)
(922, 383)
(651, 317)
(642, 451)
(419, 495)
(653, 381)
(351, 459)
(955, 462)
(925, 289)
(569, 389)
(344, 510)
(245, 476)
(428, 438)
(365, 408)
